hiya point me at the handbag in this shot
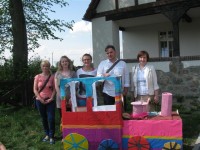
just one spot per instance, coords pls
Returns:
(43, 86)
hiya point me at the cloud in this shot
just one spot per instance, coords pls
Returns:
(81, 26)
(52, 50)
(74, 44)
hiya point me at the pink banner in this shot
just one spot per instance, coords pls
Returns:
(164, 128)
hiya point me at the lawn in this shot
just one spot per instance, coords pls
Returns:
(21, 129)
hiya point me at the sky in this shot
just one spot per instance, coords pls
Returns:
(75, 43)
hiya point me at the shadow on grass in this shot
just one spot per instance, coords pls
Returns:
(191, 129)
(187, 147)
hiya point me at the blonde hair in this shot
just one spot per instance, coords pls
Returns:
(70, 66)
(46, 62)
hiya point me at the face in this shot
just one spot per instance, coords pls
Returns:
(64, 63)
(111, 54)
(87, 60)
(45, 68)
(143, 60)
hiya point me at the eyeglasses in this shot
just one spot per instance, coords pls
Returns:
(86, 59)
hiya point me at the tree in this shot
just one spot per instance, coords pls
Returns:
(23, 23)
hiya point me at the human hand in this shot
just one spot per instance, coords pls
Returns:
(156, 99)
(48, 100)
(106, 74)
(2, 147)
(125, 91)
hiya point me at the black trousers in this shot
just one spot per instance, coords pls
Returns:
(108, 100)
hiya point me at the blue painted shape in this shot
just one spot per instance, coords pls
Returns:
(88, 84)
(108, 144)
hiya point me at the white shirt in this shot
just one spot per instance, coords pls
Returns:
(81, 71)
(119, 69)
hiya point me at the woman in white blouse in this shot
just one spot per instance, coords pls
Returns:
(144, 80)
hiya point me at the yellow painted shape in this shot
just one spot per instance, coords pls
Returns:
(75, 141)
(171, 145)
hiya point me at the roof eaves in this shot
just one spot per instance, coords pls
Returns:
(91, 10)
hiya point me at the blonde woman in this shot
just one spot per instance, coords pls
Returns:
(64, 71)
(44, 91)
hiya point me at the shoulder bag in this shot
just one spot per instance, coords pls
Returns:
(101, 85)
(113, 65)
(43, 86)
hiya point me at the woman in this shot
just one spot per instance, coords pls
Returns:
(86, 71)
(144, 80)
(64, 71)
(44, 91)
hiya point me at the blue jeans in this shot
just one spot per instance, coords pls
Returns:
(47, 112)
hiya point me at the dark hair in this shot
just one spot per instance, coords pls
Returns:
(87, 55)
(141, 53)
(109, 46)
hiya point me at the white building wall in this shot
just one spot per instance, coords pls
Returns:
(126, 3)
(164, 66)
(145, 1)
(190, 38)
(142, 38)
(103, 33)
(146, 38)
(105, 5)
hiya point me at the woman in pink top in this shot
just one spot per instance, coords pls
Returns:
(44, 100)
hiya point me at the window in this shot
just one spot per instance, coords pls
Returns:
(166, 44)
(145, 1)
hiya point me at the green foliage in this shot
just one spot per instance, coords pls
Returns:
(6, 70)
(38, 23)
(34, 67)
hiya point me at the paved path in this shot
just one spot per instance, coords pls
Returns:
(197, 144)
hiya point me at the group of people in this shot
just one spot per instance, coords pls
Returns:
(142, 83)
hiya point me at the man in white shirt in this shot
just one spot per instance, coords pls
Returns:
(119, 69)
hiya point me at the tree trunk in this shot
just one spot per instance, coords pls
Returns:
(20, 48)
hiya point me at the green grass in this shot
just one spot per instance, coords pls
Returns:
(191, 129)
(21, 129)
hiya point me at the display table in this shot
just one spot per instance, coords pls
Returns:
(157, 130)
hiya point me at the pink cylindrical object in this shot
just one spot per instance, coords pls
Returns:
(139, 109)
(166, 105)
